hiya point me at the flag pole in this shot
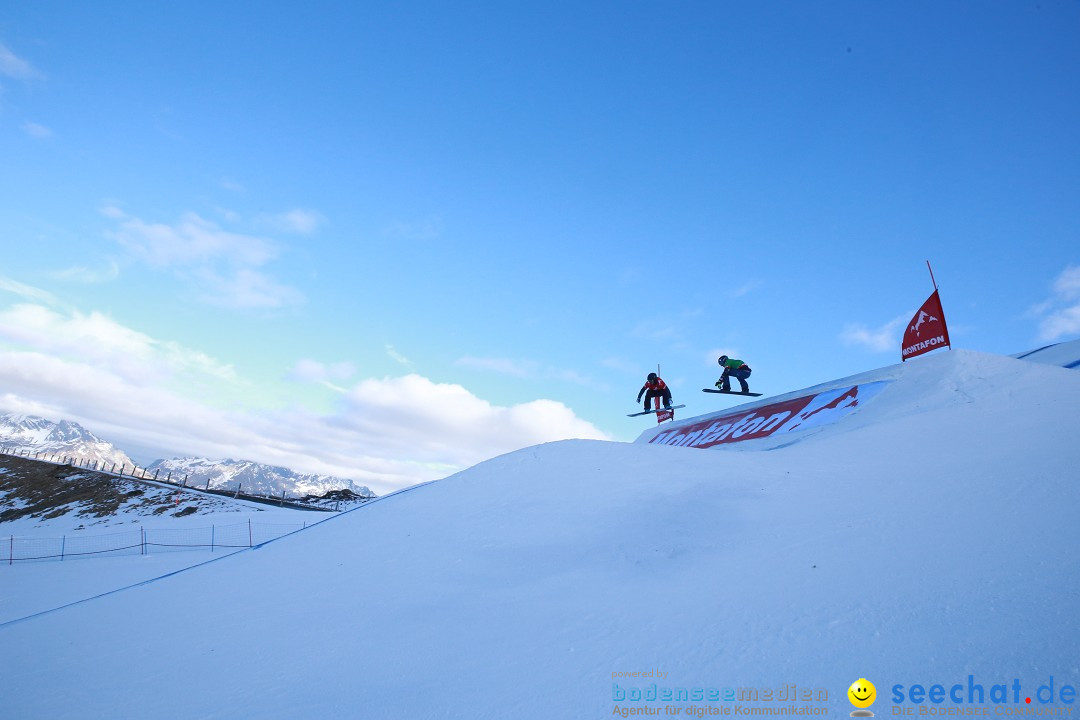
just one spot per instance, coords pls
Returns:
(948, 346)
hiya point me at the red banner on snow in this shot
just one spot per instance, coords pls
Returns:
(926, 331)
(768, 420)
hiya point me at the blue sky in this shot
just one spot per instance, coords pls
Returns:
(388, 240)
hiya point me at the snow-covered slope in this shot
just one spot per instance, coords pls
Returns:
(43, 499)
(926, 538)
(27, 433)
(1065, 355)
(253, 477)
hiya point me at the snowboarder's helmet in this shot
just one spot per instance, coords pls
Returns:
(722, 359)
(652, 377)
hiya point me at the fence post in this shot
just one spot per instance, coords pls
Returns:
(156, 471)
(143, 531)
(249, 532)
(11, 551)
(238, 492)
(212, 529)
(169, 478)
(63, 544)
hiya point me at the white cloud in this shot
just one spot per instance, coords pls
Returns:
(90, 276)
(27, 291)
(247, 290)
(130, 387)
(15, 67)
(96, 340)
(881, 339)
(307, 370)
(327, 375)
(1067, 284)
(298, 220)
(744, 289)
(36, 130)
(1063, 322)
(225, 266)
(397, 357)
(1062, 309)
(447, 424)
(111, 211)
(192, 241)
(231, 185)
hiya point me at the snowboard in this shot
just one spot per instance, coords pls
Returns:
(730, 392)
(650, 412)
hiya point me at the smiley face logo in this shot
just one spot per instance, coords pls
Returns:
(862, 693)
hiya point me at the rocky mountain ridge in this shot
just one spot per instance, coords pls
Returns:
(31, 435)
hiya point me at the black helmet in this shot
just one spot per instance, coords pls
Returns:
(652, 377)
(721, 360)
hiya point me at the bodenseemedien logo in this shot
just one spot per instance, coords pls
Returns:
(862, 694)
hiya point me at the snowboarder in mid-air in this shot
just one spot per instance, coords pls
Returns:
(655, 387)
(733, 369)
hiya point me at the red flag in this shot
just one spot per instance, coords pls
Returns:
(662, 415)
(926, 331)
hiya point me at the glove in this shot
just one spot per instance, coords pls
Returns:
(718, 384)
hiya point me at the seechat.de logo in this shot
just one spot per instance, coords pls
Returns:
(862, 694)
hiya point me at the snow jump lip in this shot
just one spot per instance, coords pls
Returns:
(801, 413)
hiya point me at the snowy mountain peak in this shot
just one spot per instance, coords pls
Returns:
(30, 434)
(253, 477)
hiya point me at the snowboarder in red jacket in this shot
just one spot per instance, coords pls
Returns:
(655, 387)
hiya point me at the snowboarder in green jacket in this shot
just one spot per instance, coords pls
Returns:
(733, 369)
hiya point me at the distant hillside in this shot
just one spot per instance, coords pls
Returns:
(29, 435)
(38, 495)
(253, 478)
(21, 434)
